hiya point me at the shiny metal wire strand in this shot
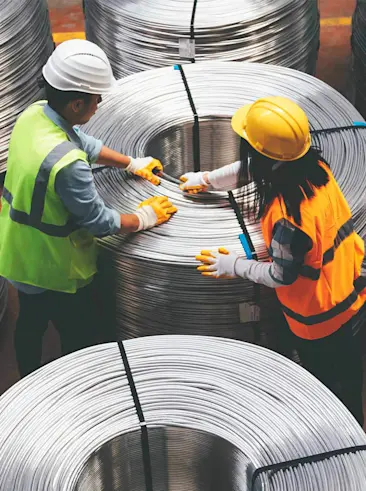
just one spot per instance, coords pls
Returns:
(215, 410)
(143, 34)
(25, 45)
(151, 275)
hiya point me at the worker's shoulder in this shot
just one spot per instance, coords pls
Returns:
(76, 171)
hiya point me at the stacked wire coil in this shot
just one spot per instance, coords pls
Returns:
(151, 275)
(359, 57)
(25, 45)
(143, 34)
(215, 410)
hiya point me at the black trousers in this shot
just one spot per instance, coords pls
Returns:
(73, 315)
(337, 362)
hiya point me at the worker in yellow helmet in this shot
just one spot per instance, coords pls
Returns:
(51, 210)
(316, 256)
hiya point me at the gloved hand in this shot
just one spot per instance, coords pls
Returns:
(143, 167)
(194, 182)
(218, 264)
(154, 211)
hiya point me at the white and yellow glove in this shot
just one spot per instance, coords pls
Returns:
(144, 167)
(225, 178)
(154, 211)
(218, 264)
(194, 182)
(225, 264)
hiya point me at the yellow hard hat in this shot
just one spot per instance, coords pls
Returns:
(275, 126)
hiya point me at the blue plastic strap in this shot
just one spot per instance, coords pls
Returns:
(246, 247)
(359, 124)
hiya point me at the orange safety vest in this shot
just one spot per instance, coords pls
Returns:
(329, 289)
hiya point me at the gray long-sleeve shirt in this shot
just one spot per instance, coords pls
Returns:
(75, 186)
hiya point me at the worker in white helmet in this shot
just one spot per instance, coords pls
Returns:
(316, 255)
(51, 211)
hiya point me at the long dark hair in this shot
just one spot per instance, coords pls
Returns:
(294, 181)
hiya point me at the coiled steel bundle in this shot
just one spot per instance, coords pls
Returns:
(152, 275)
(359, 56)
(214, 410)
(143, 34)
(25, 45)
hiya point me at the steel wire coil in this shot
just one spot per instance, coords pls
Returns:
(143, 34)
(151, 275)
(25, 45)
(215, 410)
(358, 95)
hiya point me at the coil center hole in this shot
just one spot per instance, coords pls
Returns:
(219, 145)
(181, 459)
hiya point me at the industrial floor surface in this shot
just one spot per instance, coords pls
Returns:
(67, 20)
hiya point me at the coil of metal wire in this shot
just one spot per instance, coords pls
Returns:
(151, 275)
(358, 95)
(215, 410)
(144, 34)
(25, 45)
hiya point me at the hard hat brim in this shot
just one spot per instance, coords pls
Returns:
(239, 123)
(239, 120)
(73, 87)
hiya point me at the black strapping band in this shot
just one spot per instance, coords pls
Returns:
(248, 244)
(240, 219)
(196, 125)
(95, 170)
(304, 460)
(192, 25)
(356, 126)
(140, 414)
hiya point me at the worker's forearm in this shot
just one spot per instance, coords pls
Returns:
(129, 223)
(256, 271)
(112, 158)
(225, 178)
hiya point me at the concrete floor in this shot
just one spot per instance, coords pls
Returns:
(333, 68)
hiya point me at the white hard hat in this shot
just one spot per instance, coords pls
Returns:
(79, 65)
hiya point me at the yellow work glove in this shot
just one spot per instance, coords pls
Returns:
(218, 264)
(144, 167)
(194, 182)
(154, 211)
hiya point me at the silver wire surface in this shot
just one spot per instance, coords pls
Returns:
(143, 34)
(359, 57)
(152, 274)
(215, 410)
(25, 45)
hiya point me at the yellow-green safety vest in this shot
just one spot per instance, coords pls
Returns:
(40, 244)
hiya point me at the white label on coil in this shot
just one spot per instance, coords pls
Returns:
(187, 48)
(249, 312)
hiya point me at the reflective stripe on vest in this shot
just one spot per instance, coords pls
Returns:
(40, 244)
(34, 218)
(329, 289)
(359, 284)
(344, 232)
